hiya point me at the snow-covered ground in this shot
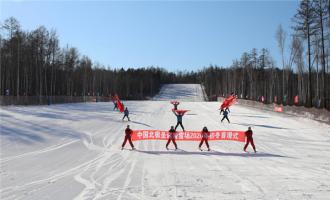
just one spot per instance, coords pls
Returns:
(182, 92)
(72, 151)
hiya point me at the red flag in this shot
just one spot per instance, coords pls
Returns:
(120, 105)
(228, 102)
(180, 112)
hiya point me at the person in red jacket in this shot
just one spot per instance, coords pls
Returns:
(205, 137)
(128, 133)
(249, 139)
(171, 137)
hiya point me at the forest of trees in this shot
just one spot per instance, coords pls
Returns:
(304, 72)
(33, 64)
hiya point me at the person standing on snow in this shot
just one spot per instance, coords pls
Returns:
(115, 107)
(126, 113)
(205, 137)
(128, 134)
(249, 139)
(171, 137)
(179, 119)
(225, 116)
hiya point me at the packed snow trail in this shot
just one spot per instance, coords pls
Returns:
(72, 151)
(182, 92)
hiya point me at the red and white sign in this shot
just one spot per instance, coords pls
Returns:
(296, 99)
(238, 136)
(278, 108)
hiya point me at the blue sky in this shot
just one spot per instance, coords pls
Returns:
(171, 34)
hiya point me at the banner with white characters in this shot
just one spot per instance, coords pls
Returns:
(238, 136)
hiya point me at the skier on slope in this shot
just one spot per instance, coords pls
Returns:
(128, 134)
(225, 116)
(249, 139)
(205, 137)
(179, 119)
(126, 113)
(171, 137)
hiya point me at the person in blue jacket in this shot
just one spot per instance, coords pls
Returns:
(126, 113)
(225, 116)
(179, 120)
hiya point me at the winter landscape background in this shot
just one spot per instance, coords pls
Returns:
(65, 64)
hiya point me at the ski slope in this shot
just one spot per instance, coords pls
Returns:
(72, 151)
(182, 92)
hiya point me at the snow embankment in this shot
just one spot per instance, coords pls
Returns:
(181, 92)
(321, 115)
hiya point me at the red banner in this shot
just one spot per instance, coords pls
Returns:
(238, 136)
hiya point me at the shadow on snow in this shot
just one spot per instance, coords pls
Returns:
(260, 125)
(211, 153)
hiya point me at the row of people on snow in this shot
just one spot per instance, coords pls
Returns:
(204, 138)
(179, 116)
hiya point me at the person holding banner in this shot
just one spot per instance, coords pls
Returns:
(205, 137)
(128, 134)
(126, 113)
(179, 116)
(171, 137)
(249, 139)
(225, 116)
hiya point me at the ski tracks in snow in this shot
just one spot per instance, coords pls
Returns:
(101, 170)
(101, 177)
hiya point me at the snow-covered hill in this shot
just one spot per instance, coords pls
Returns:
(72, 151)
(182, 92)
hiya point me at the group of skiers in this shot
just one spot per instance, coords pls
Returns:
(204, 133)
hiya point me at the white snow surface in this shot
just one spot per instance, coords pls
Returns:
(182, 92)
(72, 151)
